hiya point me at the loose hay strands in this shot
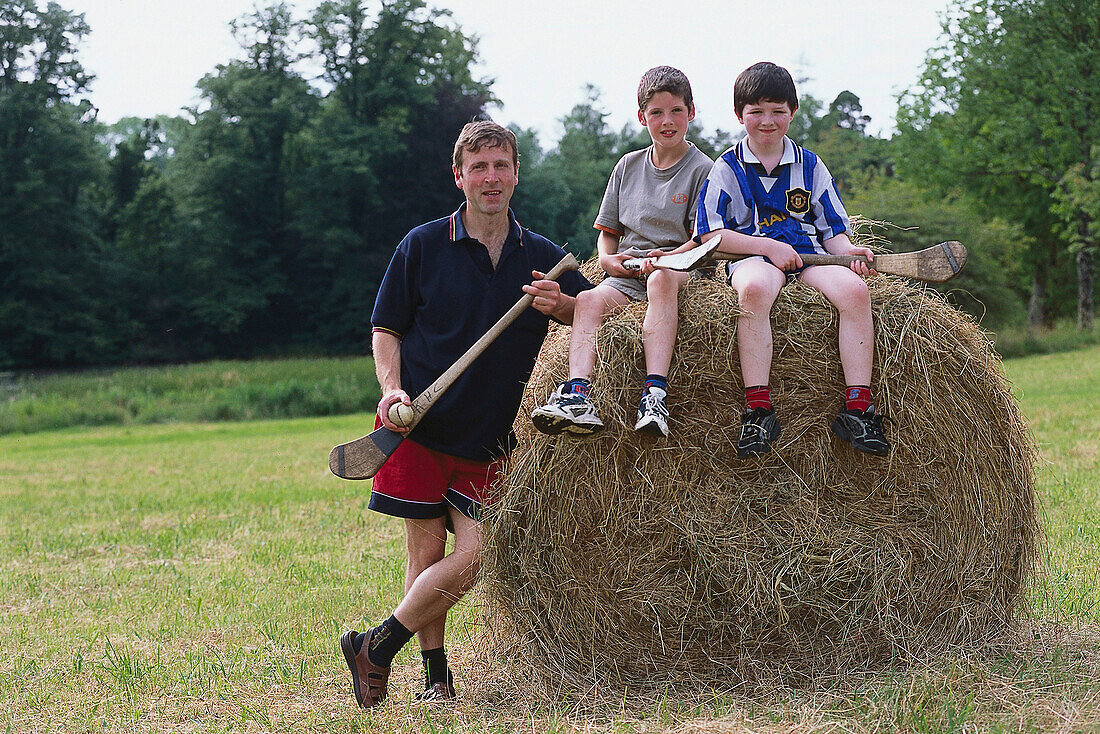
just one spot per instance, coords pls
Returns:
(620, 560)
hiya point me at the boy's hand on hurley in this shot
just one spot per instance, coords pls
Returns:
(859, 267)
(613, 266)
(783, 256)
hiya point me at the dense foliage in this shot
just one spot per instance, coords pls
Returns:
(259, 222)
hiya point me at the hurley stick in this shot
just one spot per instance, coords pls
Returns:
(935, 264)
(363, 457)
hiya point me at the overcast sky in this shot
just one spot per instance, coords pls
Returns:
(147, 55)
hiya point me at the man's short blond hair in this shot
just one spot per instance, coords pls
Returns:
(484, 134)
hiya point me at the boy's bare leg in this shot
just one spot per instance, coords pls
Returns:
(591, 308)
(439, 586)
(661, 319)
(848, 292)
(425, 544)
(757, 284)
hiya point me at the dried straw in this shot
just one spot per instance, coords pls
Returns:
(622, 560)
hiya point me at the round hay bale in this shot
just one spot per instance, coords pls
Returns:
(621, 559)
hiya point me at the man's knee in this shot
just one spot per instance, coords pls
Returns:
(425, 542)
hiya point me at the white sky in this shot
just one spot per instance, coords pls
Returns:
(147, 55)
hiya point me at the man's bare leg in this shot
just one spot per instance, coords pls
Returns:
(441, 585)
(426, 545)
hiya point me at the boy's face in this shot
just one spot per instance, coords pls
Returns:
(766, 122)
(666, 116)
(487, 178)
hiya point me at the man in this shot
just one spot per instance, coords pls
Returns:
(448, 282)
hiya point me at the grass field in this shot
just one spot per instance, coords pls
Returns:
(195, 577)
(206, 391)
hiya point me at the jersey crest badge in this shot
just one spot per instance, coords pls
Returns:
(798, 201)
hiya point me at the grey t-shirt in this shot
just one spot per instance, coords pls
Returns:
(651, 207)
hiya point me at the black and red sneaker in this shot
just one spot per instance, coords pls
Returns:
(758, 429)
(862, 429)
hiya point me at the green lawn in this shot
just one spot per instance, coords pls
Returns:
(195, 577)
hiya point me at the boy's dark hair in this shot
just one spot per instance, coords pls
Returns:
(762, 82)
(663, 79)
(484, 134)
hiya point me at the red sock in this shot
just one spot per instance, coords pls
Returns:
(758, 396)
(857, 397)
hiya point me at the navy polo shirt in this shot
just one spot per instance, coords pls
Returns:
(440, 294)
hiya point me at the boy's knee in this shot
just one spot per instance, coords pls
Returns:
(662, 282)
(855, 294)
(757, 292)
(589, 302)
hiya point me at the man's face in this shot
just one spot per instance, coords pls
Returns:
(488, 179)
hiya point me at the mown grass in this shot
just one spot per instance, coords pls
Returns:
(208, 391)
(195, 577)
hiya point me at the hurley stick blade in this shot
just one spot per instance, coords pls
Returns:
(363, 457)
(694, 258)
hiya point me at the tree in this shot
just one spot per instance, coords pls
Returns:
(993, 286)
(50, 278)
(1008, 108)
(230, 181)
(378, 155)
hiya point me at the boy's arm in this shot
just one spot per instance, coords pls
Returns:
(610, 259)
(841, 245)
(781, 255)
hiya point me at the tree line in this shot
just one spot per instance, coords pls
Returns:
(260, 221)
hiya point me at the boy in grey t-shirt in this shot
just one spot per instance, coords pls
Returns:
(649, 203)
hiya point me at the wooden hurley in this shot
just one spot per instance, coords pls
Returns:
(363, 457)
(935, 264)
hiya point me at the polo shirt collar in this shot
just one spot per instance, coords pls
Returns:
(788, 152)
(458, 228)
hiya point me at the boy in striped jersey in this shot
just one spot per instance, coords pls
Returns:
(771, 199)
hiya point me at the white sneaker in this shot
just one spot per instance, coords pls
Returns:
(567, 413)
(652, 413)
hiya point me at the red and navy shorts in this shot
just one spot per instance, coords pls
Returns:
(419, 483)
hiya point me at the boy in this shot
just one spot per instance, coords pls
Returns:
(648, 204)
(772, 199)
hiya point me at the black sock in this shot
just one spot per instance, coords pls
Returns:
(654, 380)
(389, 637)
(435, 666)
(578, 386)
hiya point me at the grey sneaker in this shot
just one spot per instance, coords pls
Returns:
(863, 430)
(758, 429)
(567, 413)
(652, 413)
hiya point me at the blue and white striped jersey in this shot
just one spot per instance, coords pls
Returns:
(798, 204)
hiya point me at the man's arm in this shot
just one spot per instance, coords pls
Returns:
(387, 366)
(549, 299)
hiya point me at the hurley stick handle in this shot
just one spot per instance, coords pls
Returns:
(363, 457)
(427, 398)
(936, 264)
